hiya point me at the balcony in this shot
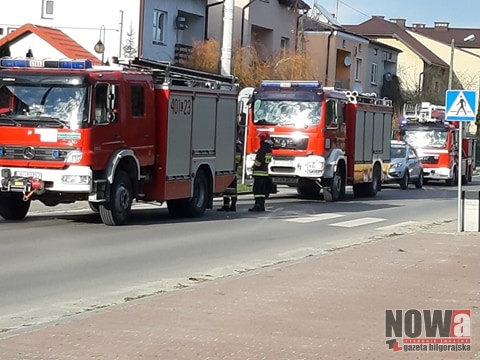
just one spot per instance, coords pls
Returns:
(182, 54)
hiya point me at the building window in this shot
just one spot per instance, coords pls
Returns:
(359, 47)
(159, 27)
(373, 75)
(137, 101)
(1, 31)
(47, 9)
(375, 51)
(358, 69)
(284, 43)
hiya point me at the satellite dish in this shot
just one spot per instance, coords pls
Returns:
(388, 77)
(347, 61)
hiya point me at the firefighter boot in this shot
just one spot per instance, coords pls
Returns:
(261, 204)
(233, 205)
(256, 207)
(225, 207)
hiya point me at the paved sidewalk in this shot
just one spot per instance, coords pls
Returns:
(329, 306)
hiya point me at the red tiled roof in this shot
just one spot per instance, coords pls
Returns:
(380, 28)
(56, 38)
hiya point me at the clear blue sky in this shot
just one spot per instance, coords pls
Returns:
(459, 13)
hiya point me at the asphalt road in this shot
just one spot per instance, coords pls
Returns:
(63, 261)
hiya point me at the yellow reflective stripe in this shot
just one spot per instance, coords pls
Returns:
(268, 158)
(257, 163)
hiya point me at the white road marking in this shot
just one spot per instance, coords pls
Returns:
(358, 222)
(313, 218)
(395, 226)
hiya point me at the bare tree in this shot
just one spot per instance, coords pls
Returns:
(129, 47)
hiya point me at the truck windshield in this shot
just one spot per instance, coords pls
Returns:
(298, 114)
(48, 105)
(426, 138)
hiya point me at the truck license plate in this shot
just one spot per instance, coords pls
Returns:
(285, 163)
(28, 174)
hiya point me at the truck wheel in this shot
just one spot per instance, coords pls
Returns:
(197, 204)
(337, 190)
(405, 180)
(372, 187)
(12, 207)
(117, 210)
(453, 181)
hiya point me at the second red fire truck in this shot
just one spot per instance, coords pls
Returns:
(323, 138)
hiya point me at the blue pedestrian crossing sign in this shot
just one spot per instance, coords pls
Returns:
(461, 105)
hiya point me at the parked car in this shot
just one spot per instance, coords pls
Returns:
(405, 166)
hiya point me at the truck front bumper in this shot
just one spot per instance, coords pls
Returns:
(437, 173)
(74, 179)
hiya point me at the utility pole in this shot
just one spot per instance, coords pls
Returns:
(227, 38)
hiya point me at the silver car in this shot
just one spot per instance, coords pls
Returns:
(405, 166)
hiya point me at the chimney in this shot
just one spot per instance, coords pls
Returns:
(381, 17)
(441, 26)
(399, 22)
(418, 26)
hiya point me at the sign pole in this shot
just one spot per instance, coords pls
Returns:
(459, 200)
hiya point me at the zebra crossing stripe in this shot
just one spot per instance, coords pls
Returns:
(313, 218)
(358, 222)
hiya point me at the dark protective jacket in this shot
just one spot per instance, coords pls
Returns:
(262, 159)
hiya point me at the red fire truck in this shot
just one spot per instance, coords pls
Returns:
(145, 131)
(437, 142)
(323, 138)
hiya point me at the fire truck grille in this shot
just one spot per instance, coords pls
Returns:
(32, 153)
(429, 159)
(289, 143)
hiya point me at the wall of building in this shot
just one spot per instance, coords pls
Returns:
(193, 10)
(410, 67)
(268, 15)
(81, 21)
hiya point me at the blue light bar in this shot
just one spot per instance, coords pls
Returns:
(50, 64)
(291, 84)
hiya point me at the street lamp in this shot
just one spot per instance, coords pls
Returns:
(100, 45)
(470, 37)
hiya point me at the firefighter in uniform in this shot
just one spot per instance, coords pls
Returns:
(230, 195)
(260, 172)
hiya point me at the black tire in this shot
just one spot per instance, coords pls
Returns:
(117, 210)
(335, 192)
(454, 180)
(197, 204)
(419, 182)
(405, 181)
(372, 187)
(95, 207)
(12, 207)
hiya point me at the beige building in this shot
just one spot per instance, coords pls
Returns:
(267, 25)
